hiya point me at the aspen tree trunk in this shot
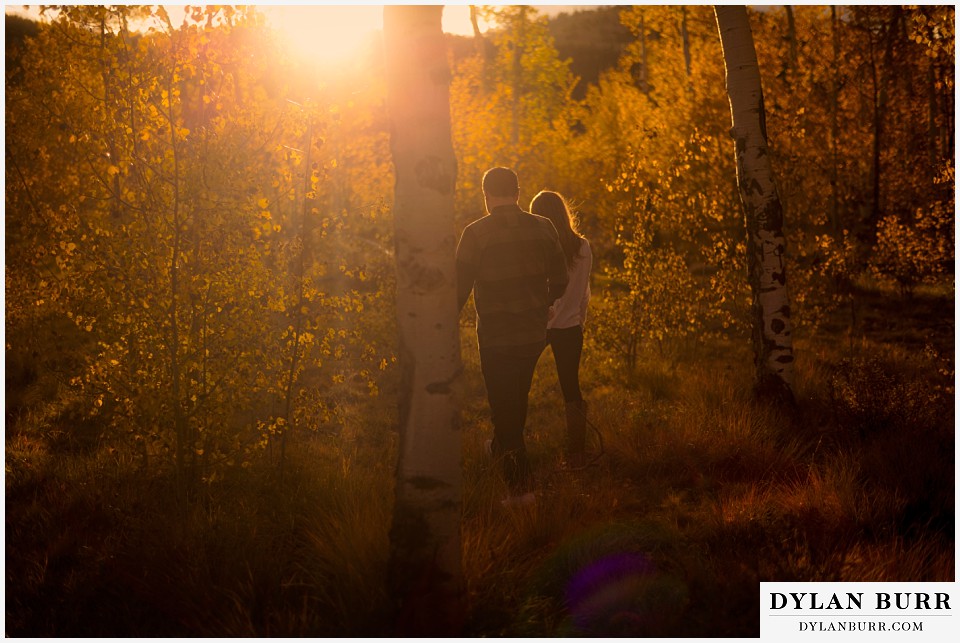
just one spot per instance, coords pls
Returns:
(477, 35)
(518, 76)
(880, 80)
(792, 40)
(425, 561)
(176, 374)
(932, 134)
(835, 225)
(685, 36)
(879, 107)
(772, 343)
(644, 83)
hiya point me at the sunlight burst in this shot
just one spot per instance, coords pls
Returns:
(328, 34)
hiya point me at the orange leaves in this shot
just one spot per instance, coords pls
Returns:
(914, 252)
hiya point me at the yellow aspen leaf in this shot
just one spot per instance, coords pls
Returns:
(263, 203)
(145, 136)
(113, 169)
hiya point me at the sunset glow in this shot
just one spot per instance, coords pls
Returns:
(325, 33)
(334, 32)
(415, 320)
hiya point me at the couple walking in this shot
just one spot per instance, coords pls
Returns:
(529, 272)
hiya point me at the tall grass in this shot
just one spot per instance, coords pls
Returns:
(701, 493)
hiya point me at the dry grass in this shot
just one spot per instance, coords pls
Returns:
(701, 494)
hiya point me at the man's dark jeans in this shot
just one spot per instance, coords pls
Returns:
(508, 373)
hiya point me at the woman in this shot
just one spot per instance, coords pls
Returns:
(566, 318)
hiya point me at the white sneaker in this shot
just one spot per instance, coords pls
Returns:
(525, 500)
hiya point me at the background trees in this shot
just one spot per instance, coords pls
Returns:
(511, 105)
(659, 121)
(201, 270)
(170, 250)
(844, 164)
(158, 178)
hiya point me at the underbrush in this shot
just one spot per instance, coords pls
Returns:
(96, 548)
(700, 493)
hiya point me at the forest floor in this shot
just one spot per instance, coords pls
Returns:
(701, 493)
(698, 494)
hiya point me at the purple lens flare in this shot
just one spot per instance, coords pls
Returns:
(607, 587)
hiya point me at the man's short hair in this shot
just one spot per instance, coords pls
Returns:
(500, 182)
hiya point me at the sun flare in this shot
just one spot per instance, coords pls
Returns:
(332, 33)
(326, 34)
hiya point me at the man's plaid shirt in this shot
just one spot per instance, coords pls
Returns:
(513, 262)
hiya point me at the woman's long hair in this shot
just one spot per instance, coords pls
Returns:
(553, 206)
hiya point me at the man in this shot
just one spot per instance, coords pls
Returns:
(513, 263)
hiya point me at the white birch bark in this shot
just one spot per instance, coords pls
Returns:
(772, 342)
(425, 565)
